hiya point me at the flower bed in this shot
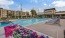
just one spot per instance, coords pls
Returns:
(17, 31)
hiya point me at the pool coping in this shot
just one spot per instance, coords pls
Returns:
(37, 22)
(31, 19)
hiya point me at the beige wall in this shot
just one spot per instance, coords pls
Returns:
(49, 12)
(60, 12)
(12, 12)
(25, 13)
(1, 10)
(17, 13)
(4, 13)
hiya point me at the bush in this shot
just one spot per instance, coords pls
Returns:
(3, 18)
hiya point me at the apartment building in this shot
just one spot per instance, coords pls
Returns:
(17, 14)
(9, 13)
(60, 14)
(12, 13)
(49, 12)
(25, 14)
(52, 13)
(1, 10)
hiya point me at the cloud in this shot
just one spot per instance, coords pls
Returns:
(49, 5)
(45, 4)
(59, 3)
(6, 3)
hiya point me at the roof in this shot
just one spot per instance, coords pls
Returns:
(50, 9)
(9, 10)
(60, 12)
(1, 8)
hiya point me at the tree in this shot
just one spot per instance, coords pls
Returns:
(33, 12)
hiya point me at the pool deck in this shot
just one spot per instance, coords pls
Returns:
(55, 31)
(2, 32)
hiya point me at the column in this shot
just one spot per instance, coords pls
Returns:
(60, 15)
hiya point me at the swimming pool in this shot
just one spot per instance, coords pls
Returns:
(26, 22)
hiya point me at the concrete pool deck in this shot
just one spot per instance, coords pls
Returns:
(2, 32)
(55, 31)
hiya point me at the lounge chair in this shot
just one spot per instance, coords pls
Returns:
(53, 21)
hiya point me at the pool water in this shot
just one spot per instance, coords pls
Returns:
(25, 22)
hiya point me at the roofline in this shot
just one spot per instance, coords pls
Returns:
(50, 9)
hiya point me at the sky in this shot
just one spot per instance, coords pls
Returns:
(27, 5)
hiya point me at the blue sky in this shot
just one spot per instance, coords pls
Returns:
(27, 5)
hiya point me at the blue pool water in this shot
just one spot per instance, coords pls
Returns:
(25, 22)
